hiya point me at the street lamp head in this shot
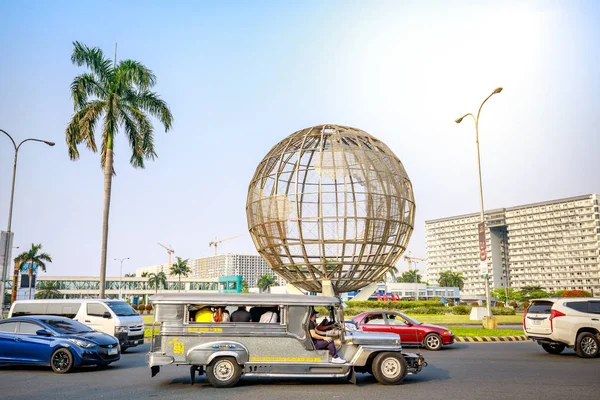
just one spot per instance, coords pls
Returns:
(498, 90)
(49, 143)
(459, 120)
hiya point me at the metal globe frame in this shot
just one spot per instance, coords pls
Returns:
(330, 204)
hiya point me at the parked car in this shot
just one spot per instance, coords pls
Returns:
(58, 342)
(557, 323)
(114, 317)
(411, 331)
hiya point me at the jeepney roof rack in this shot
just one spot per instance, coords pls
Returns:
(243, 299)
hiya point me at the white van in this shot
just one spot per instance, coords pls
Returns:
(114, 317)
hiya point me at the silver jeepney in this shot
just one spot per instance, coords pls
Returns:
(226, 351)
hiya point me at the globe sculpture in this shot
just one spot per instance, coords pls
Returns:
(330, 207)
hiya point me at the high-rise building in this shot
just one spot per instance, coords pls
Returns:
(553, 244)
(250, 267)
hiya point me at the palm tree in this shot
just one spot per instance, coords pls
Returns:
(33, 258)
(157, 280)
(451, 279)
(47, 290)
(119, 94)
(245, 287)
(180, 268)
(144, 274)
(411, 276)
(131, 275)
(265, 282)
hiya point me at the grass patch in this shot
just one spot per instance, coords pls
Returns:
(148, 319)
(460, 331)
(148, 332)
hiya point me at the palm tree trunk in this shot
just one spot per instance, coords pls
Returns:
(108, 170)
(13, 295)
(30, 274)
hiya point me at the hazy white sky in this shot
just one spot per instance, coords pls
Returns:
(241, 76)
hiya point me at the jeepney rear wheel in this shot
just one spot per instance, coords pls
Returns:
(389, 368)
(223, 372)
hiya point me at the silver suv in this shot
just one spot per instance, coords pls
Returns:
(573, 322)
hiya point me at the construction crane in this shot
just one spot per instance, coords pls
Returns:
(410, 259)
(169, 250)
(216, 242)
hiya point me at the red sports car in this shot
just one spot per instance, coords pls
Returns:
(432, 337)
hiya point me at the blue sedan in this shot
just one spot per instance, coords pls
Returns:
(55, 341)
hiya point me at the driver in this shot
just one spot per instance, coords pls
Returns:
(323, 342)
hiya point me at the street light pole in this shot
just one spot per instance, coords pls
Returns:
(482, 217)
(121, 277)
(6, 260)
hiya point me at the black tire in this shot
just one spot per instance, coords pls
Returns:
(223, 372)
(389, 368)
(432, 341)
(61, 361)
(588, 345)
(553, 348)
(124, 349)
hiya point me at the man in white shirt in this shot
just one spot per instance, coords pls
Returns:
(269, 317)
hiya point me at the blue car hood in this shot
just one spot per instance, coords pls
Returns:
(99, 338)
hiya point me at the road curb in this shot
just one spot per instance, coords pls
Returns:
(482, 339)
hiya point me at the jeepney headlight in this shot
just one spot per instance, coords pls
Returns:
(120, 329)
(396, 341)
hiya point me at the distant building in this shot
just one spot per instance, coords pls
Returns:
(250, 267)
(554, 244)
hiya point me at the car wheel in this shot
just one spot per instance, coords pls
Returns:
(389, 368)
(223, 372)
(553, 348)
(124, 349)
(61, 361)
(588, 345)
(433, 342)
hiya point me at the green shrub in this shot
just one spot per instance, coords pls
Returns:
(503, 311)
(525, 305)
(513, 304)
(393, 305)
(461, 310)
(134, 306)
(426, 310)
(475, 304)
(462, 303)
(324, 312)
(450, 304)
(499, 304)
(148, 308)
(576, 293)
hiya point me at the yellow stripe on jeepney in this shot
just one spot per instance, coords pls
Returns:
(205, 329)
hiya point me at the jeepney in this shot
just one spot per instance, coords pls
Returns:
(225, 351)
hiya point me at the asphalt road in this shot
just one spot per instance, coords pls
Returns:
(517, 370)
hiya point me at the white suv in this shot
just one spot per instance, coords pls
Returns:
(572, 322)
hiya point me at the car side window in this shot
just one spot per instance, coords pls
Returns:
(28, 328)
(394, 319)
(581, 306)
(374, 319)
(8, 327)
(594, 307)
(96, 309)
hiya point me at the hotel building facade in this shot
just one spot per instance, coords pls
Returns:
(553, 244)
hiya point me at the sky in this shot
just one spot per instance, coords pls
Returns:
(241, 76)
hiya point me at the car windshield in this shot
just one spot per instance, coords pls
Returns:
(66, 326)
(411, 320)
(121, 308)
(540, 307)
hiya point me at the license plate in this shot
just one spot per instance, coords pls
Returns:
(113, 351)
(537, 322)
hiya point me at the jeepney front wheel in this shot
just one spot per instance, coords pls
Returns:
(389, 368)
(223, 372)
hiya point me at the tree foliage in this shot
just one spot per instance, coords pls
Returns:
(180, 268)
(451, 279)
(157, 280)
(411, 276)
(266, 281)
(47, 290)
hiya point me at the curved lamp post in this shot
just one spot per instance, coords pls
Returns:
(121, 276)
(482, 219)
(10, 210)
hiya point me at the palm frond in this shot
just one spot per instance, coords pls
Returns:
(153, 104)
(85, 85)
(133, 72)
(94, 59)
(109, 131)
(132, 130)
